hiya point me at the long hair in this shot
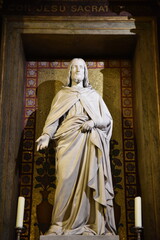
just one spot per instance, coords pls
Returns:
(85, 81)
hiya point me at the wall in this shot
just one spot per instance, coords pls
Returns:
(11, 110)
(147, 127)
(146, 107)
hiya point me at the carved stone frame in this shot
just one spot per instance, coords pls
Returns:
(146, 96)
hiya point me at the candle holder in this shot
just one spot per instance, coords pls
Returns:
(19, 230)
(138, 231)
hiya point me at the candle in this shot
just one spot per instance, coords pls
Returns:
(20, 212)
(138, 212)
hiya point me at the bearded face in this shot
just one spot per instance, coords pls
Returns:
(77, 71)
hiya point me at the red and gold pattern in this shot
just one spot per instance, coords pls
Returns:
(128, 189)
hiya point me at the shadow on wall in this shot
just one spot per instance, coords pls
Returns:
(37, 170)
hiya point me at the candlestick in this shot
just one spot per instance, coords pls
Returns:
(20, 213)
(138, 212)
(138, 231)
(19, 230)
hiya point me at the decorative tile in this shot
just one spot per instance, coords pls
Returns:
(126, 92)
(126, 72)
(131, 191)
(27, 168)
(31, 73)
(130, 203)
(91, 65)
(127, 112)
(128, 123)
(129, 144)
(27, 156)
(29, 122)
(31, 82)
(25, 191)
(26, 180)
(55, 64)
(31, 64)
(30, 92)
(43, 64)
(130, 167)
(29, 112)
(65, 64)
(28, 133)
(131, 178)
(130, 216)
(30, 102)
(128, 133)
(127, 102)
(126, 82)
(129, 155)
(28, 145)
(101, 64)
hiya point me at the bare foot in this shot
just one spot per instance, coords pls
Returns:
(108, 234)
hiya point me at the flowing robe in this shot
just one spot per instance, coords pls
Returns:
(84, 193)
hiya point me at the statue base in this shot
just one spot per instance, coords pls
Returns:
(78, 237)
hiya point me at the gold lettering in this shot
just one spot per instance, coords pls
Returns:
(46, 9)
(80, 9)
(54, 8)
(94, 8)
(106, 8)
(73, 8)
(59, 8)
(39, 9)
(62, 8)
(87, 8)
(101, 9)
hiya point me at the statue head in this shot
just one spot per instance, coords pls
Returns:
(81, 74)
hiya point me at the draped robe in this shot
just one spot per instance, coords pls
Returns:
(84, 193)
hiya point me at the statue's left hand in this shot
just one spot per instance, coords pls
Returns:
(87, 126)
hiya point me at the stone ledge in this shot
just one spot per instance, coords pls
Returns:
(78, 237)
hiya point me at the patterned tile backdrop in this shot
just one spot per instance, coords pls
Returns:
(113, 80)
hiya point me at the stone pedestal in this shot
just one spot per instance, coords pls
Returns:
(78, 237)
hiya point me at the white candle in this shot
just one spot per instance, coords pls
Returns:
(138, 212)
(20, 212)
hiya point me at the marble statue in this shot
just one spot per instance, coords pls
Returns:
(81, 125)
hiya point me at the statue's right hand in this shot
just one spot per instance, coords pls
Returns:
(43, 142)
